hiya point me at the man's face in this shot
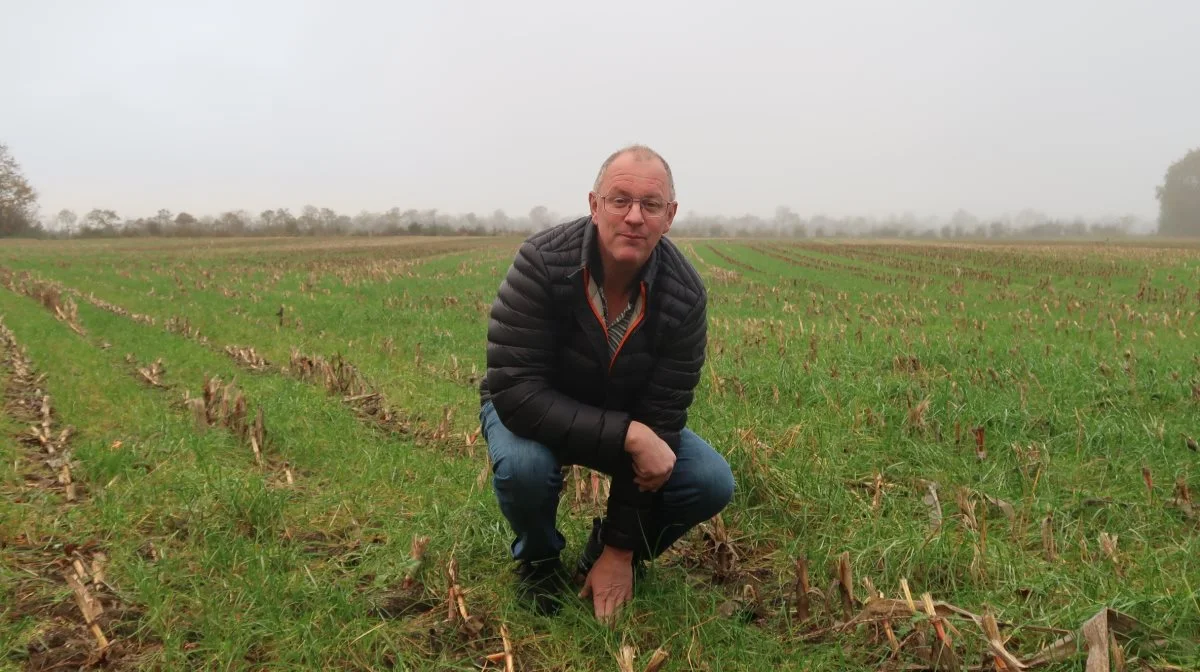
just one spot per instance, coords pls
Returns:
(627, 240)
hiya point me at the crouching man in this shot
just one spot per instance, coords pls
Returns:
(595, 345)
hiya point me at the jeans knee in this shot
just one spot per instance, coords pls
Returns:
(529, 475)
(718, 486)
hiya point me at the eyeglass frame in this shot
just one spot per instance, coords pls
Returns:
(639, 201)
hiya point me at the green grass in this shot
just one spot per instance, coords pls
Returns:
(818, 357)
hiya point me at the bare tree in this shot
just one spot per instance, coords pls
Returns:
(540, 217)
(1179, 197)
(328, 219)
(103, 222)
(18, 200)
(66, 221)
(309, 220)
(232, 223)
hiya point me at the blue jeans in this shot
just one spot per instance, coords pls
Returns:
(528, 481)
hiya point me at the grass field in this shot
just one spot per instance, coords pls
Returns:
(258, 433)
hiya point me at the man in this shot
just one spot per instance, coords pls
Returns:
(595, 345)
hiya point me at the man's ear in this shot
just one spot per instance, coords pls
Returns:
(672, 209)
(593, 203)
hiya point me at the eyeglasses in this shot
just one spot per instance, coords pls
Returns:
(620, 205)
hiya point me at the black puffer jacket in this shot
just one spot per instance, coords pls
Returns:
(550, 376)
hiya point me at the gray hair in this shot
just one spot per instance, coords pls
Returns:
(642, 152)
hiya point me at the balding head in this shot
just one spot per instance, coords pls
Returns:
(641, 152)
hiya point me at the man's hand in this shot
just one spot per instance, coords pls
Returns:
(653, 460)
(610, 583)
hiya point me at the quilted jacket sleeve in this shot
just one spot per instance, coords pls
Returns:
(520, 359)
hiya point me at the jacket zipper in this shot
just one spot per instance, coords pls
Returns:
(587, 296)
(628, 332)
(632, 328)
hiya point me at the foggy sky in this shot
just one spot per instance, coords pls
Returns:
(840, 108)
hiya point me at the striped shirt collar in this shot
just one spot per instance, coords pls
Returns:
(614, 328)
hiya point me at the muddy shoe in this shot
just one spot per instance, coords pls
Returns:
(541, 586)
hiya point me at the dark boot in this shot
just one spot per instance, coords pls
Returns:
(541, 585)
(593, 549)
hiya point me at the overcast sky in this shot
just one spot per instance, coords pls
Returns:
(1070, 107)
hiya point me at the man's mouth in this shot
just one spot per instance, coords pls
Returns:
(631, 236)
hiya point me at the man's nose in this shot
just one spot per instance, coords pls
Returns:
(634, 216)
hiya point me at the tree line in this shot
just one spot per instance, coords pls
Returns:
(1179, 199)
(314, 221)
